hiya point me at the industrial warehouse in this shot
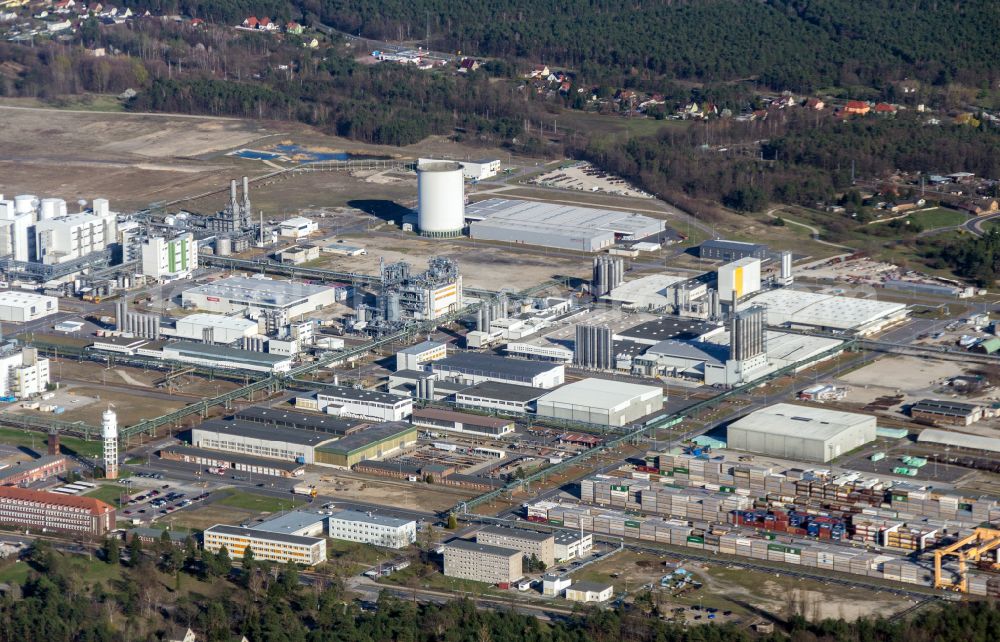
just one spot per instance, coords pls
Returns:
(560, 226)
(257, 297)
(801, 432)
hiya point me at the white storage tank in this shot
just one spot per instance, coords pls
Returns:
(440, 199)
(51, 208)
(25, 203)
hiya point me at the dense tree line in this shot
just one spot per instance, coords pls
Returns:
(264, 602)
(976, 258)
(796, 44)
(805, 159)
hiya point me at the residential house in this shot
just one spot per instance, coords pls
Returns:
(906, 206)
(265, 24)
(980, 206)
(251, 22)
(784, 101)
(538, 71)
(197, 22)
(468, 64)
(564, 87)
(182, 634)
(293, 28)
(858, 107)
(885, 109)
(815, 104)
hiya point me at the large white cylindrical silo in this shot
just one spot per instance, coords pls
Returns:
(440, 199)
(51, 208)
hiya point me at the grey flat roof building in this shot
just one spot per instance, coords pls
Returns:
(297, 420)
(239, 531)
(468, 545)
(670, 328)
(731, 250)
(381, 520)
(251, 430)
(558, 225)
(265, 292)
(360, 394)
(804, 433)
(502, 392)
(477, 366)
(520, 533)
(292, 523)
(289, 467)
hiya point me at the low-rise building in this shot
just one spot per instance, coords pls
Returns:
(952, 413)
(288, 444)
(215, 328)
(502, 397)
(29, 472)
(235, 463)
(590, 592)
(469, 560)
(601, 401)
(570, 545)
(378, 530)
(364, 404)
(274, 547)
(413, 357)
(298, 254)
(374, 442)
(462, 422)
(554, 585)
(304, 523)
(473, 368)
(225, 357)
(19, 306)
(541, 546)
(44, 511)
(297, 227)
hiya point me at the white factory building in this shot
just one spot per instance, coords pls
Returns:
(166, 259)
(817, 311)
(802, 433)
(601, 401)
(19, 306)
(257, 296)
(740, 278)
(215, 328)
(478, 170)
(377, 530)
(364, 404)
(413, 357)
(653, 291)
(569, 227)
(58, 240)
(297, 227)
(23, 373)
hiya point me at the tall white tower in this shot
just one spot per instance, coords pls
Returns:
(109, 429)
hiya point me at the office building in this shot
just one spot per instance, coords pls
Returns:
(413, 357)
(530, 543)
(19, 306)
(472, 368)
(43, 511)
(594, 347)
(166, 259)
(571, 545)
(363, 404)
(303, 523)
(601, 401)
(802, 433)
(481, 562)
(377, 530)
(273, 547)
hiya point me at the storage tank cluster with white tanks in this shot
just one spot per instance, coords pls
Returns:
(440, 199)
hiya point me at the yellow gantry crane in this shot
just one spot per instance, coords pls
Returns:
(968, 549)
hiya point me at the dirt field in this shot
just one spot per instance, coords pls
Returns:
(87, 403)
(390, 492)
(912, 376)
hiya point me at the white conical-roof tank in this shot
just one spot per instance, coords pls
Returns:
(25, 203)
(440, 199)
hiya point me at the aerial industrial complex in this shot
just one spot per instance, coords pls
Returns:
(261, 385)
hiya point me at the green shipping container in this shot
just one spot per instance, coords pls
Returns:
(695, 539)
(556, 522)
(621, 489)
(899, 498)
(769, 535)
(777, 547)
(878, 457)
(667, 473)
(682, 470)
(632, 524)
(965, 507)
(726, 489)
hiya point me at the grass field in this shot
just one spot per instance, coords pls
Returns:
(15, 573)
(257, 503)
(36, 442)
(110, 493)
(939, 217)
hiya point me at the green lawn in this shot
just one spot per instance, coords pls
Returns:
(435, 580)
(939, 217)
(109, 493)
(36, 441)
(258, 503)
(356, 552)
(14, 573)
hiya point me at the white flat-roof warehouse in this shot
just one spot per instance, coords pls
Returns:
(601, 401)
(828, 311)
(801, 432)
(568, 227)
(649, 291)
(19, 306)
(256, 295)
